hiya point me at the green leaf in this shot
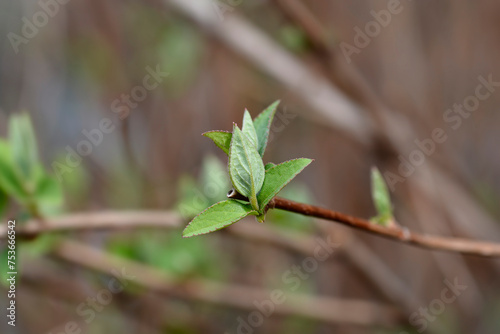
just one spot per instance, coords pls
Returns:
(278, 177)
(23, 144)
(221, 138)
(246, 168)
(381, 198)
(217, 217)
(10, 181)
(248, 129)
(262, 124)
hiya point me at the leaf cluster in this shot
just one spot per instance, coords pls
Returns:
(257, 183)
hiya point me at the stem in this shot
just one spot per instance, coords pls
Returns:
(396, 232)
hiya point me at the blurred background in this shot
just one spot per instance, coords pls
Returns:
(119, 93)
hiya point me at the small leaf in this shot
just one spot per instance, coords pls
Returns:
(221, 138)
(246, 168)
(248, 129)
(217, 217)
(381, 198)
(23, 144)
(262, 124)
(278, 177)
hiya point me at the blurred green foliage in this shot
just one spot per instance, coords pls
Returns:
(169, 252)
(22, 175)
(211, 187)
(24, 179)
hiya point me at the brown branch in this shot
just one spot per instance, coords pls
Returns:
(397, 232)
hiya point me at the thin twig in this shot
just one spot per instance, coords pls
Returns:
(397, 232)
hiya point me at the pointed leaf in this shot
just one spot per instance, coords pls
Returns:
(381, 197)
(217, 217)
(278, 177)
(221, 138)
(248, 129)
(262, 124)
(23, 144)
(246, 168)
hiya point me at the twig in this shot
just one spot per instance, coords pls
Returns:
(397, 232)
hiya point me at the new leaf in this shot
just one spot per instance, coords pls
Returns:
(217, 217)
(248, 129)
(23, 145)
(246, 168)
(262, 124)
(381, 198)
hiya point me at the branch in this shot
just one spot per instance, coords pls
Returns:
(398, 233)
(97, 221)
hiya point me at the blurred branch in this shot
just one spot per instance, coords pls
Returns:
(97, 221)
(329, 310)
(327, 101)
(122, 220)
(397, 232)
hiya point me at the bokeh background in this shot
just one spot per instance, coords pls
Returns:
(348, 101)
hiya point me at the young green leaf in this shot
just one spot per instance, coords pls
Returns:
(278, 177)
(217, 217)
(381, 198)
(262, 124)
(246, 168)
(248, 129)
(221, 138)
(23, 144)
